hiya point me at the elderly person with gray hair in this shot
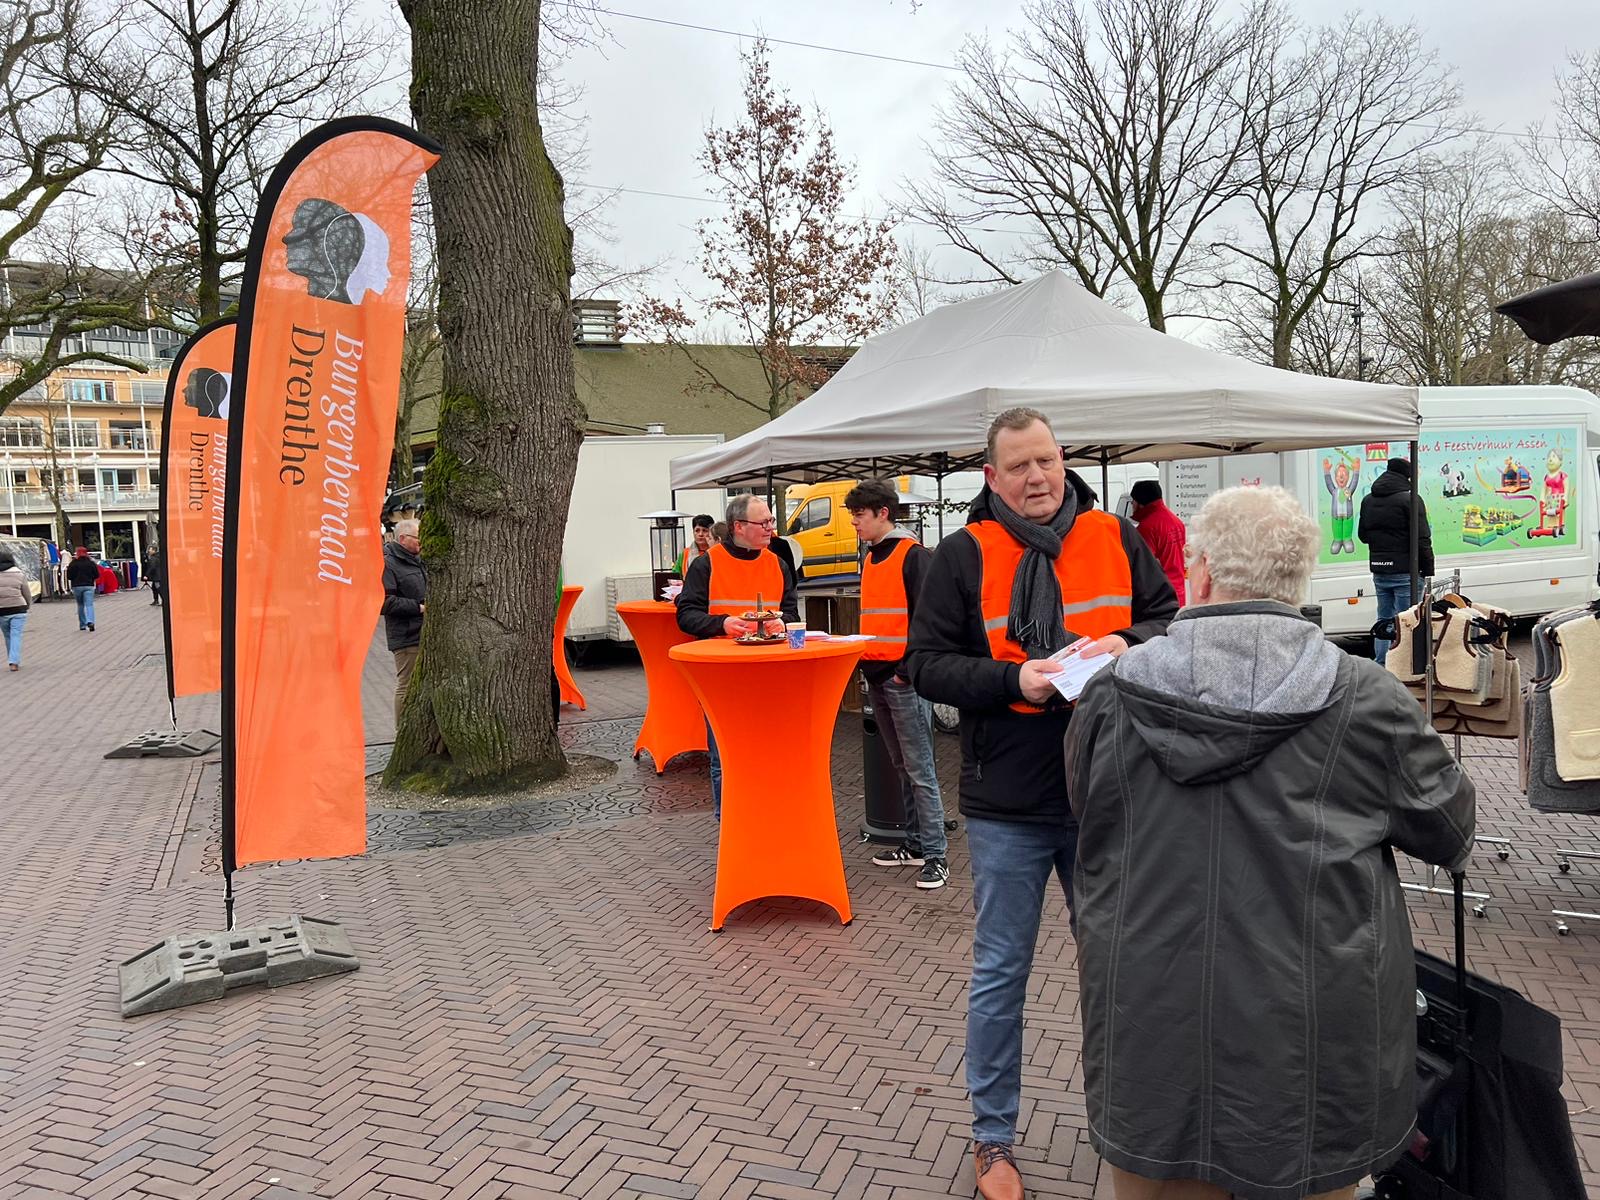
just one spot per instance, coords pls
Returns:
(1244, 955)
(405, 587)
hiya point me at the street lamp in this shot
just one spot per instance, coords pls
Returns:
(11, 494)
(99, 508)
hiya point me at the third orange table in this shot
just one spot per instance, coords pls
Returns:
(673, 723)
(779, 835)
(569, 689)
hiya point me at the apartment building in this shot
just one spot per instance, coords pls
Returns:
(92, 434)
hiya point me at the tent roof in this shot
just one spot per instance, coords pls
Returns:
(920, 397)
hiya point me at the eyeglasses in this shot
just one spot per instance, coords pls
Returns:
(769, 523)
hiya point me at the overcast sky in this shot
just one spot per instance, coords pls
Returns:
(652, 88)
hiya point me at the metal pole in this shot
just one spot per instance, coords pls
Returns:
(99, 507)
(1105, 482)
(1416, 542)
(938, 482)
(11, 494)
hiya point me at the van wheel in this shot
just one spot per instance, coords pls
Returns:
(946, 718)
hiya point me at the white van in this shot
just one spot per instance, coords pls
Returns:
(1511, 480)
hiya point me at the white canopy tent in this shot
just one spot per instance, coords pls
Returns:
(919, 398)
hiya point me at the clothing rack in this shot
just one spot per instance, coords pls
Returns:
(1565, 855)
(1431, 590)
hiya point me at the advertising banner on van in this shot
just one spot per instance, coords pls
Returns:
(194, 473)
(1487, 491)
(316, 385)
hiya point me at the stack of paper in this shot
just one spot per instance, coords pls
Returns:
(670, 592)
(1076, 671)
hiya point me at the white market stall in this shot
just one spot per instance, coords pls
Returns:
(919, 398)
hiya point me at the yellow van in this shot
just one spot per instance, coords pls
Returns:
(820, 522)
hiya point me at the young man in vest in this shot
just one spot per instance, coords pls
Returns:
(721, 586)
(1035, 568)
(700, 530)
(891, 578)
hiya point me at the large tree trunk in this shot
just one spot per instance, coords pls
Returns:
(478, 715)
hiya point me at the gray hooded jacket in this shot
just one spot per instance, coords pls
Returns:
(1244, 954)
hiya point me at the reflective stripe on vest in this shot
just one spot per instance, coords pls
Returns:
(736, 582)
(1093, 570)
(885, 614)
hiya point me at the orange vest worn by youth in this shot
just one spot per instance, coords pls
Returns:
(736, 582)
(885, 614)
(1093, 570)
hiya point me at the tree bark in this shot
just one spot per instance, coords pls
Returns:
(478, 714)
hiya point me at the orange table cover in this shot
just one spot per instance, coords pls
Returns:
(673, 722)
(779, 834)
(569, 690)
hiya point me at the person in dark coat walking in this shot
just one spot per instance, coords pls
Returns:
(405, 588)
(83, 573)
(152, 573)
(1386, 530)
(1245, 968)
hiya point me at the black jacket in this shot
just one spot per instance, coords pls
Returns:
(1386, 525)
(83, 572)
(694, 601)
(913, 570)
(405, 588)
(1011, 762)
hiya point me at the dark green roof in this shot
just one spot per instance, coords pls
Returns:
(626, 387)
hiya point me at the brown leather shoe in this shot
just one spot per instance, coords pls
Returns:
(996, 1169)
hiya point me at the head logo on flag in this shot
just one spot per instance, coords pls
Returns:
(311, 416)
(194, 471)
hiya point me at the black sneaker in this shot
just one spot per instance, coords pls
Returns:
(901, 856)
(935, 874)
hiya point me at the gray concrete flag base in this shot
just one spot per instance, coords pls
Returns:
(168, 743)
(192, 968)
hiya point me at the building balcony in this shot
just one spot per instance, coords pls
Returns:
(33, 500)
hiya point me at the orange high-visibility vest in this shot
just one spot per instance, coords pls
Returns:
(736, 582)
(885, 614)
(1093, 570)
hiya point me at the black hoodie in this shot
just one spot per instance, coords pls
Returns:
(1386, 524)
(1011, 762)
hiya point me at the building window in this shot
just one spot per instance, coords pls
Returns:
(118, 479)
(19, 478)
(91, 391)
(155, 478)
(22, 432)
(130, 435)
(151, 392)
(83, 434)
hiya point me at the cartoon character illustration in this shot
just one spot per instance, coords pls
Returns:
(207, 391)
(1341, 482)
(341, 255)
(1553, 499)
(1455, 482)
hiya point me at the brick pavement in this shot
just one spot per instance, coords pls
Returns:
(541, 1010)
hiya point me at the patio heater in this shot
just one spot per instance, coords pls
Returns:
(666, 543)
(99, 505)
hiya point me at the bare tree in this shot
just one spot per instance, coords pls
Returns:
(1567, 154)
(919, 287)
(1338, 116)
(478, 713)
(212, 92)
(1109, 137)
(790, 271)
(419, 356)
(1462, 241)
(53, 138)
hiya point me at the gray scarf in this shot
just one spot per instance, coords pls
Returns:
(1035, 622)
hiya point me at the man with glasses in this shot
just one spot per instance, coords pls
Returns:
(739, 575)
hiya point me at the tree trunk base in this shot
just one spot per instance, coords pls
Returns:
(437, 775)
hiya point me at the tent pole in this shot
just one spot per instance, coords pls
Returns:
(939, 510)
(1416, 542)
(1105, 482)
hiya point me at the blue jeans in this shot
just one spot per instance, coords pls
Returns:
(1011, 865)
(85, 598)
(1394, 597)
(11, 628)
(906, 721)
(716, 771)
